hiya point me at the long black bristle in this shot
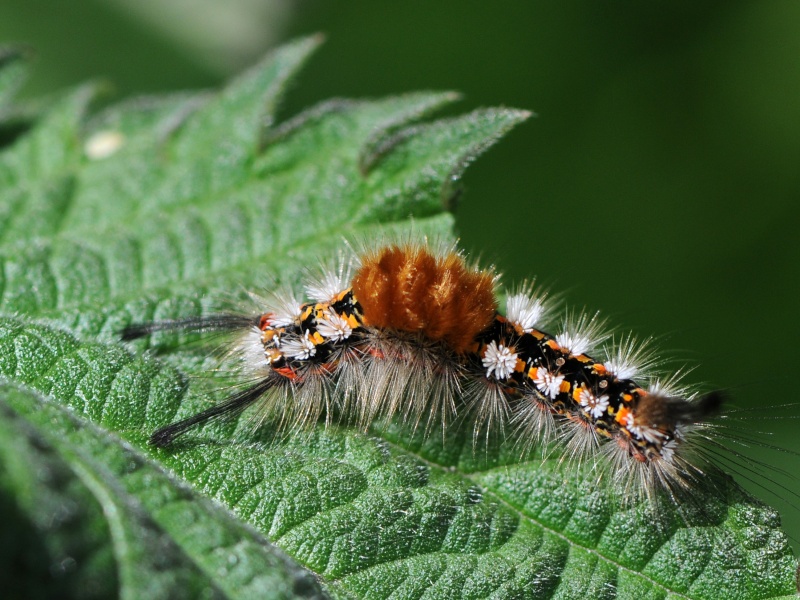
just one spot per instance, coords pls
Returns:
(233, 405)
(224, 322)
(710, 404)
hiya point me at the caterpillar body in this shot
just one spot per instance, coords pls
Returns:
(417, 332)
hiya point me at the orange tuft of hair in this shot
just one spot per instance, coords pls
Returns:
(408, 288)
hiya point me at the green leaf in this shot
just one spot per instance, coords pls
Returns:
(55, 538)
(193, 198)
(166, 542)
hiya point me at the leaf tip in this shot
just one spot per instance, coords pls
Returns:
(419, 104)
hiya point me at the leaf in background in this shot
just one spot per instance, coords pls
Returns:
(198, 195)
(55, 539)
(167, 543)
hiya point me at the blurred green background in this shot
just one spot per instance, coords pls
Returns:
(659, 182)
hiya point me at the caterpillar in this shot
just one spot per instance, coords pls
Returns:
(413, 331)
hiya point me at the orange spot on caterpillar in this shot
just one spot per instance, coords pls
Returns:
(263, 321)
(287, 372)
(599, 369)
(377, 353)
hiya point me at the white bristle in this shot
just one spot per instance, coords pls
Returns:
(629, 358)
(284, 307)
(582, 333)
(526, 309)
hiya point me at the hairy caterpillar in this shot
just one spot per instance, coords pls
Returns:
(405, 329)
